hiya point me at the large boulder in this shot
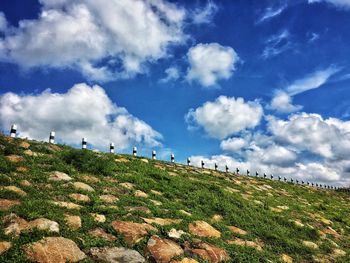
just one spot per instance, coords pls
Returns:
(132, 232)
(163, 250)
(203, 229)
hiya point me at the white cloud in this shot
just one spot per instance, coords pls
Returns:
(83, 111)
(282, 102)
(337, 3)
(209, 63)
(233, 144)
(271, 12)
(311, 81)
(172, 74)
(3, 22)
(225, 116)
(205, 14)
(103, 39)
(277, 44)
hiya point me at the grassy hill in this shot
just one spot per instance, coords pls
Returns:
(61, 204)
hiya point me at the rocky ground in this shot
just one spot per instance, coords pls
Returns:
(59, 204)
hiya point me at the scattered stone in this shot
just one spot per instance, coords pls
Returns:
(310, 244)
(25, 183)
(121, 160)
(162, 221)
(116, 255)
(203, 229)
(15, 189)
(144, 160)
(59, 176)
(83, 186)
(156, 192)
(143, 209)
(127, 185)
(338, 253)
(172, 174)
(163, 250)
(287, 259)
(98, 217)
(4, 246)
(276, 210)
(185, 213)
(216, 218)
(240, 242)
(132, 232)
(209, 252)
(111, 180)
(298, 223)
(155, 202)
(237, 230)
(258, 202)
(176, 234)
(330, 231)
(185, 260)
(30, 153)
(15, 158)
(74, 222)
(100, 233)
(283, 207)
(6, 204)
(90, 179)
(232, 190)
(109, 198)
(80, 197)
(68, 205)
(22, 169)
(139, 193)
(44, 224)
(24, 145)
(54, 250)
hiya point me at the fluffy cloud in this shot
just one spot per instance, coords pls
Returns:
(337, 3)
(282, 102)
(172, 74)
(208, 63)
(3, 22)
(83, 111)
(233, 144)
(104, 39)
(204, 15)
(225, 116)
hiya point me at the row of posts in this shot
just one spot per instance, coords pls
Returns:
(13, 133)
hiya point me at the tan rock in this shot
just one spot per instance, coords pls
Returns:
(122, 160)
(209, 252)
(108, 198)
(116, 255)
(6, 204)
(143, 209)
(185, 213)
(155, 202)
(59, 176)
(14, 158)
(287, 259)
(15, 189)
(163, 250)
(98, 217)
(30, 153)
(25, 183)
(144, 160)
(22, 169)
(74, 222)
(54, 250)
(139, 193)
(240, 242)
(24, 145)
(175, 234)
(310, 244)
(237, 230)
(203, 229)
(156, 192)
(80, 197)
(83, 187)
(100, 233)
(185, 260)
(127, 185)
(44, 224)
(90, 179)
(338, 253)
(132, 232)
(216, 218)
(4, 246)
(68, 205)
(298, 223)
(162, 221)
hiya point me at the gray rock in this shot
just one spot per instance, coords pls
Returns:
(116, 255)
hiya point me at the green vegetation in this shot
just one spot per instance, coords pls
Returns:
(277, 216)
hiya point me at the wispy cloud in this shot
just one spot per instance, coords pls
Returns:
(271, 12)
(311, 81)
(338, 3)
(204, 15)
(276, 44)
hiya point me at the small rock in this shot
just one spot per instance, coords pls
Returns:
(24, 145)
(338, 253)
(298, 223)
(163, 250)
(4, 246)
(44, 224)
(176, 234)
(287, 259)
(54, 249)
(162, 221)
(203, 229)
(100, 233)
(155, 202)
(15, 189)
(216, 218)
(144, 160)
(25, 183)
(59, 176)
(142, 194)
(310, 244)
(90, 179)
(156, 192)
(237, 230)
(121, 160)
(74, 222)
(132, 232)
(6, 204)
(209, 252)
(83, 186)
(30, 153)
(22, 169)
(240, 242)
(98, 217)
(283, 207)
(185, 212)
(80, 197)
(14, 158)
(109, 198)
(116, 255)
(143, 209)
(68, 205)
(126, 185)
(185, 260)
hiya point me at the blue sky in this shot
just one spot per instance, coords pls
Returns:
(260, 85)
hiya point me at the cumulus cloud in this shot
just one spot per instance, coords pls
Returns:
(172, 74)
(233, 144)
(282, 102)
(83, 111)
(3, 22)
(337, 3)
(103, 39)
(225, 116)
(209, 63)
(204, 15)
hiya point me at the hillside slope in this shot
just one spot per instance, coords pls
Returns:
(61, 204)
